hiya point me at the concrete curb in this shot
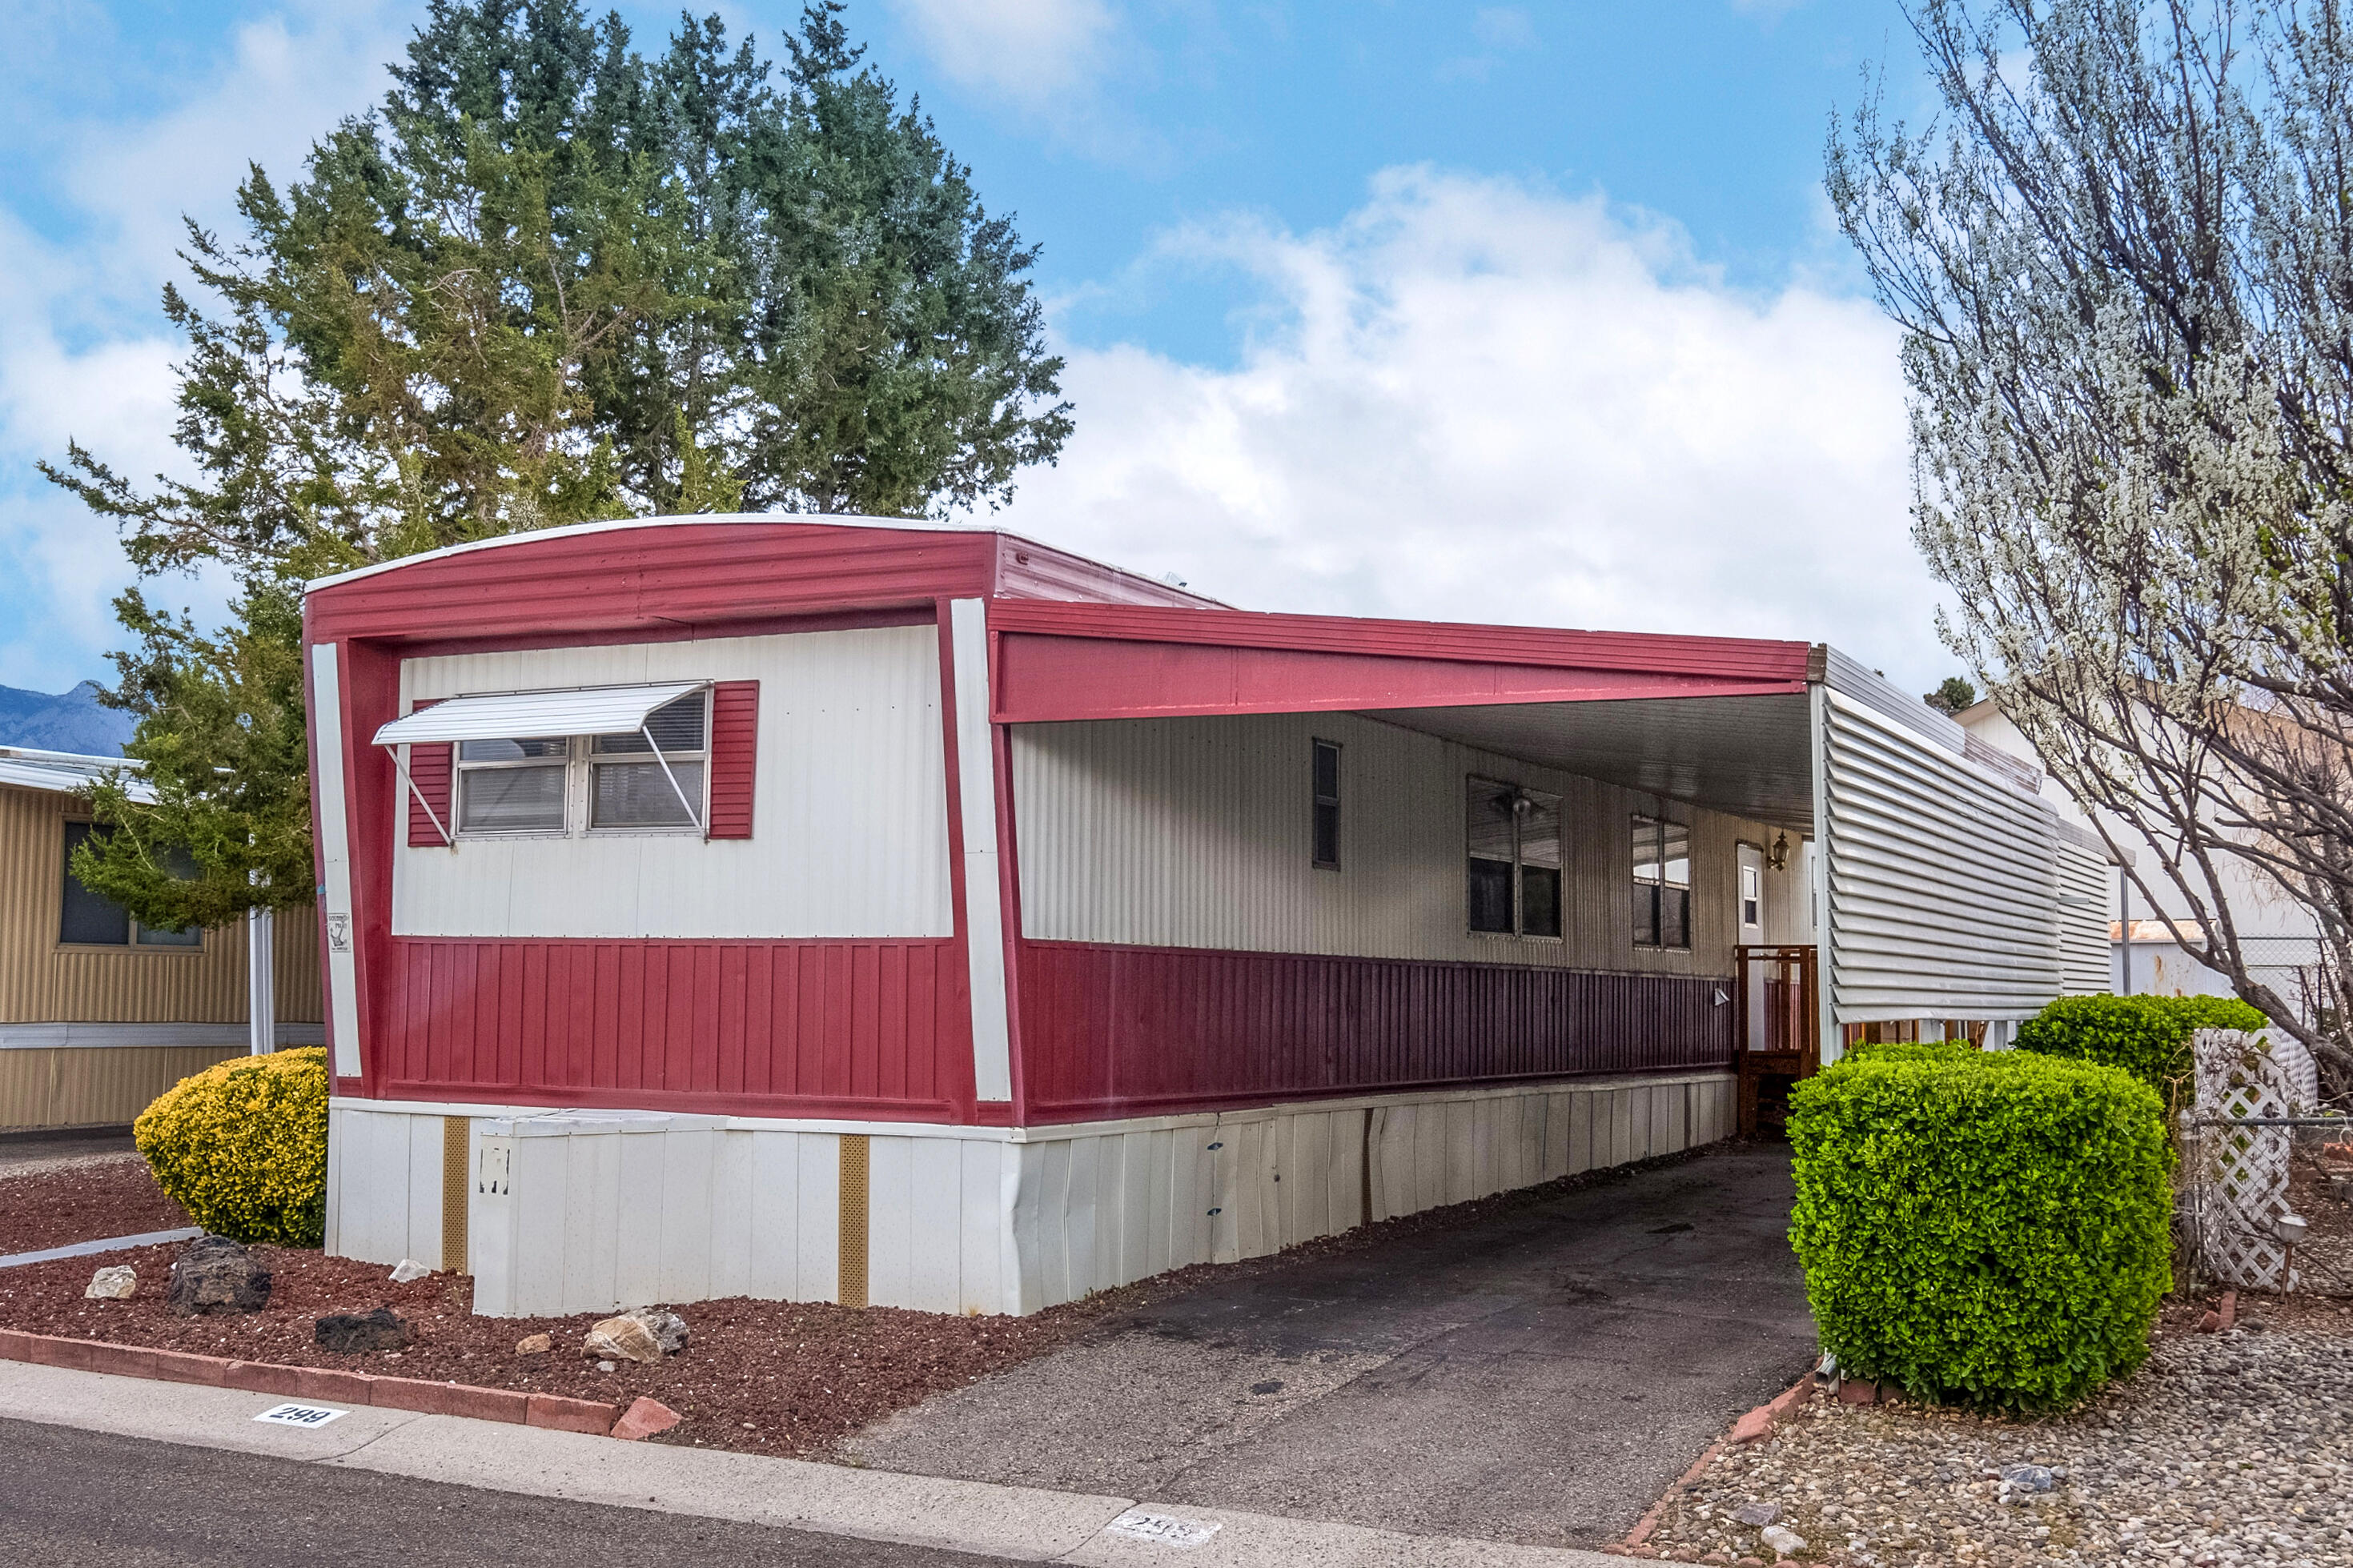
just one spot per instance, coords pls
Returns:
(1757, 1425)
(413, 1394)
(1022, 1523)
(105, 1243)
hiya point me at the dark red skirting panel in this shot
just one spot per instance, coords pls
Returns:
(1122, 1031)
(820, 1027)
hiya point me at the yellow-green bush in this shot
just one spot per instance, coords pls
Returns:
(243, 1147)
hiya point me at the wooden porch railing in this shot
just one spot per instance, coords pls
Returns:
(1776, 1031)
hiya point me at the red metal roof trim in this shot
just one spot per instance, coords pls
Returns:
(1062, 662)
(661, 576)
(1734, 658)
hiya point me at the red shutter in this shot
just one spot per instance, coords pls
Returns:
(734, 735)
(428, 765)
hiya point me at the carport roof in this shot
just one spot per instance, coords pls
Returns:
(1748, 756)
(1060, 660)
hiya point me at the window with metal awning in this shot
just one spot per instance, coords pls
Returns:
(539, 762)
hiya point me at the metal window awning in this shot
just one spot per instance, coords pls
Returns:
(595, 710)
(524, 715)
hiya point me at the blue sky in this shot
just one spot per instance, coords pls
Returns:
(1521, 312)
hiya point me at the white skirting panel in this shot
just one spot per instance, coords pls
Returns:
(584, 1211)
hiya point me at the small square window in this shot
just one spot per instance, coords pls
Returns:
(1513, 839)
(90, 918)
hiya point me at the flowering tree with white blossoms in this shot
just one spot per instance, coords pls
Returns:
(2123, 258)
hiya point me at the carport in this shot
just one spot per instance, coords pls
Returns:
(1926, 890)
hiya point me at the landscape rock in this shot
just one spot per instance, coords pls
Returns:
(667, 1328)
(1757, 1515)
(216, 1275)
(624, 1338)
(119, 1283)
(641, 1334)
(354, 1334)
(1756, 1424)
(407, 1269)
(2028, 1477)
(1784, 1541)
(536, 1344)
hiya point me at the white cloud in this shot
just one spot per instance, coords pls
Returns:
(1481, 401)
(84, 350)
(1023, 50)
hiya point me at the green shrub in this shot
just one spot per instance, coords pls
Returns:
(2147, 1036)
(1911, 1051)
(1990, 1230)
(243, 1147)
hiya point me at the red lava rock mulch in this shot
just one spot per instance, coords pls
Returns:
(42, 1208)
(769, 1377)
(772, 1377)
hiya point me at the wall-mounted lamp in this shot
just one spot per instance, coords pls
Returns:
(1778, 856)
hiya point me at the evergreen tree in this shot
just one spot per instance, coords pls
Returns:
(546, 280)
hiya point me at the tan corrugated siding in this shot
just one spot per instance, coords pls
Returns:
(43, 983)
(104, 1085)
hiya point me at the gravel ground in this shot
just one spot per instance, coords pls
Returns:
(88, 1199)
(2233, 1448)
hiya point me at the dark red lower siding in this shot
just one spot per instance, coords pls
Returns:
(870, 1028)
(1117, 1031)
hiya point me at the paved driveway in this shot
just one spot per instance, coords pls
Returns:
(1537, 1374)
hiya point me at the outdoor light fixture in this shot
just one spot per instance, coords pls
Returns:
(2291, 1227)
(1778, 856)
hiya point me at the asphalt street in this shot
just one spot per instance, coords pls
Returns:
(73, 1498)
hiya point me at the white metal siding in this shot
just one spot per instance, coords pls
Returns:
(1196, 833)
(1943, 881)
(605, 1209)
(850, 807)
(2086, 906)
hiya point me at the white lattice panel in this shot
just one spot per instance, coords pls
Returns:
(2238, 1175)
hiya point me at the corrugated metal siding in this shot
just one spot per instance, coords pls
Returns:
(764, 1028)
(41, 982)
(1196, 833)
(106, 1086)
(850, 804)
(1943, 881)
(2087, 897)
(1122, 1031)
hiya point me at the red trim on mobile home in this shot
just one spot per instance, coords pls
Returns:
(1112, 661)
(1116, 1031)
(770, 1029)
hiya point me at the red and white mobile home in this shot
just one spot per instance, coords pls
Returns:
(915, 914)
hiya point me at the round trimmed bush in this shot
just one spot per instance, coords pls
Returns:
(1988, 1229)
(242, 1146)
(2147, 1036)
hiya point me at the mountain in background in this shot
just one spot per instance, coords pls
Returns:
(70, 721)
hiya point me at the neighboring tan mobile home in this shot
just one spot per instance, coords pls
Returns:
(98, 1014)
(913, 914)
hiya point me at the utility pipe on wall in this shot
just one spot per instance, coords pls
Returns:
(260, 982)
